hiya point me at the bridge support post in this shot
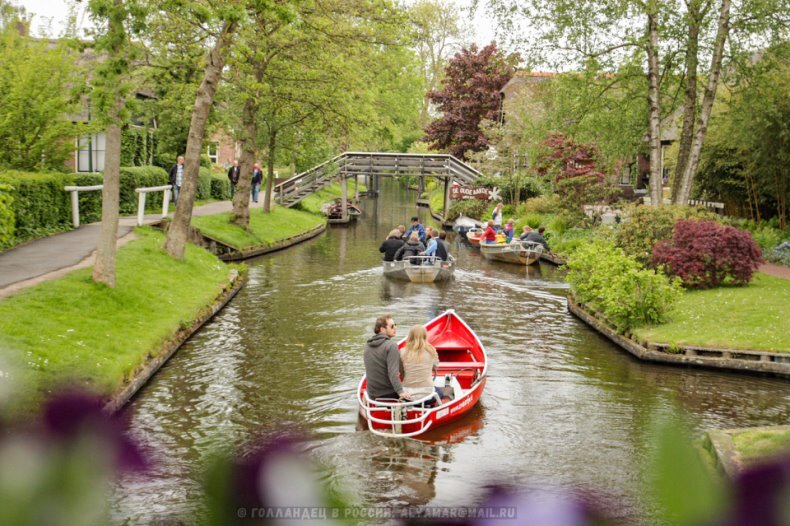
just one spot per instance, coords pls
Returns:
(448, 183)
(356, 188)
(344, 205)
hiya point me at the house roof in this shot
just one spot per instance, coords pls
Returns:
(522, 77)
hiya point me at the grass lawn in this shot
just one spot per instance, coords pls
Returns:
(313, 202)
(72, 330)
(761, 443)
(755, 317)
(265, 229)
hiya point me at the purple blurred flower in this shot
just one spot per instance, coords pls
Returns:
(762, 495)
(70, 414)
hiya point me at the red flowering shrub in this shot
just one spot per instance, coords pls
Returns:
(705, 254)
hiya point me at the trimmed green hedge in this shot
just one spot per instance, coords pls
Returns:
(39, 206)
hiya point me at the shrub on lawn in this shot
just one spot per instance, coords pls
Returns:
(645, 226)
(603, 276)
(539, 205)
(705, 254)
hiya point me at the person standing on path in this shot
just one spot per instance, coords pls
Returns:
(382, 362)
(233, 175)
(177, 177)
(497, 217)
(257, 179)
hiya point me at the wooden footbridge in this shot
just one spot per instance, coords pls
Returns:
(374, 165)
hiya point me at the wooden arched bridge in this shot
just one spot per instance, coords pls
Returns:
(374, 165)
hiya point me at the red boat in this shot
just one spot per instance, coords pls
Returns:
(462, 364)
(474, 235)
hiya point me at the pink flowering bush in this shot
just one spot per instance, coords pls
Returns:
(705, 254)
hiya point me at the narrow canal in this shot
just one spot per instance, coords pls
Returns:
(563, 407)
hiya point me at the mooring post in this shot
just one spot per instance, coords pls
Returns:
(344, 205)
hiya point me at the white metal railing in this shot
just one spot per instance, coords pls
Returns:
(75, 201)
(142, 192)
(396, 409)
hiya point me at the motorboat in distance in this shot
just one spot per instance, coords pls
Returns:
(420, 269)
(463, 366)
(463, 224)
(474, 236)
(517, 251)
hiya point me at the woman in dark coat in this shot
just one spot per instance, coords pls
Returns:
(412, 247)
(391, 245)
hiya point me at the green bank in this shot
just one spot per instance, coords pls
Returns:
(73, 331)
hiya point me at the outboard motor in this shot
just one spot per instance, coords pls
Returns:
(448, 391)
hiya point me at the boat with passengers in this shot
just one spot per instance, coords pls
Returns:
(517, 251)
(420, 269)
(462, 374)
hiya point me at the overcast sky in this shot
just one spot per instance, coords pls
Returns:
(50, 18)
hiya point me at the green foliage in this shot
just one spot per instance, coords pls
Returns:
(533, 220)
(567, 242)
(645, 226)
(603, 276)
(38, 98)
(744, 162)
(6, 216)
(575, 192)
(138, 147)
(768, 237)
(539, 205)
(474, 208)
(678, 481)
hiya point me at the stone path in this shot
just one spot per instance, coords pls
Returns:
(52, 256)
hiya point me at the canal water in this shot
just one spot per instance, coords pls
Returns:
(563, 407)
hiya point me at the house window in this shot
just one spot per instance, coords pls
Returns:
(90, 153)
(212, 150)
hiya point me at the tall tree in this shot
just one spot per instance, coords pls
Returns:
(35, 125)
(114, 18)
(439, 32)
(654, 105)
(690, 167)
(226, 18)
(470, 94)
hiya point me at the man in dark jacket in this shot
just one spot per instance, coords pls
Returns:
(441, 247)
(177, 177)
(233, 176)
(382, 362)
(391, 245)
(537, 237)
(257, 179)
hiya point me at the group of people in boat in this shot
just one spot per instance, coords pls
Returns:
(417, 240)
(491, 234)
(405, 374)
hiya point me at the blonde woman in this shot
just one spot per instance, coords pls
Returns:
(419, 360)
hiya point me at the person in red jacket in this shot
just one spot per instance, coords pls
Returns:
(489, 236)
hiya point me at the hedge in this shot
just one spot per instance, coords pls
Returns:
(39, 206)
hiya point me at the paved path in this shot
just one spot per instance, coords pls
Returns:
(775, 270)
(41, 258)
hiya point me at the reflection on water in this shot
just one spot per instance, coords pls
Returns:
(562, 407)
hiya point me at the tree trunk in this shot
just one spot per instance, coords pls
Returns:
(241, 200)
(267, 199)
(104, 268)
(690, 101)
(179, 227)
(707, 103)
(654, 130)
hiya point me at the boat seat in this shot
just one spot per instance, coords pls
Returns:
(461, 365)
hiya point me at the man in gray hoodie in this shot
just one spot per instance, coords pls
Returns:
(382, 362)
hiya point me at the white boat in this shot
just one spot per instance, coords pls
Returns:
(517, 251)
(420, 269)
